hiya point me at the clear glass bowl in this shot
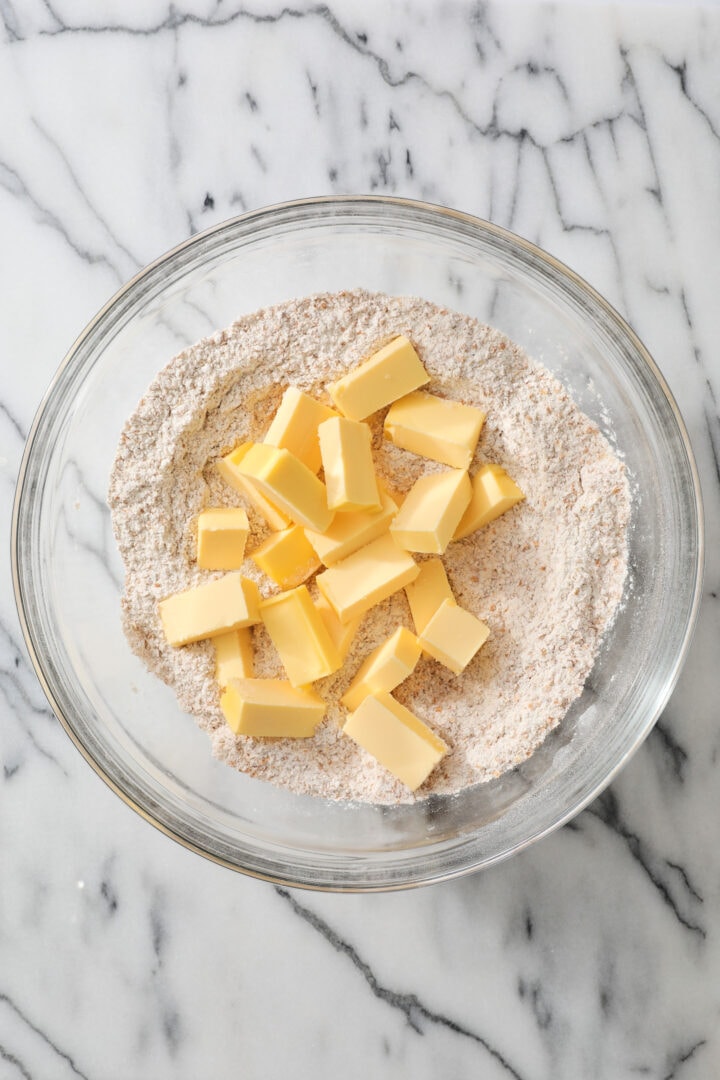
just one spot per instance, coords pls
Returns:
(68, 575)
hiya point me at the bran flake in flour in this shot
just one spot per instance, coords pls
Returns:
(546, 577)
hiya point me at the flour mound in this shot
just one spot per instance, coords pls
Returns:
(546, 577)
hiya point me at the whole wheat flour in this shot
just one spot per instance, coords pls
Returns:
(546, 577)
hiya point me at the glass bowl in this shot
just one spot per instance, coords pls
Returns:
(67, 573)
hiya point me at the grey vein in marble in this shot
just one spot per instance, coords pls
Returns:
(408, 1004)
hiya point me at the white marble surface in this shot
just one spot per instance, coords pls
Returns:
(592, 130)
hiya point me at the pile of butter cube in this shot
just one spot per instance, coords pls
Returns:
(363, 535)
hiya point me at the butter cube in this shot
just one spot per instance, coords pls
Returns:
(396, 738)
(233, 656)
(385, 668)
(287, 557)
(228, 603)
(345, 448)
(445, 431)
(341, 634)
(366, 577)
(298, 632)
(295, 426)
(426, 593)
(493, 492)
(431, 512)
(228, 467)
(271, 708)
(350, 532)
(387, 375)
(288, 484)
(221, 537)
(453, 636)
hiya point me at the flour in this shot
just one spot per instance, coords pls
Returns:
(546, 577)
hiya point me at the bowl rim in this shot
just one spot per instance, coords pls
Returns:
(348, 202)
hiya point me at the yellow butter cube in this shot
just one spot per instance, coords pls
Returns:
(385, 668)
(221, 537)
(233, 656)
(387, 375)
(345, 448)
(298, 632)
(445, 431)
(453, 636)
(288, 484)
(426, 593)
(295, 426)
(228, 467)
(228, 603)
(401, 742)
(287, 557)
(350, 532)
(431, 511)
(341, 634)
(493, 492)
(366, 577)
(271, 708)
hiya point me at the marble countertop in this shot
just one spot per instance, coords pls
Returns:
(595, 132)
